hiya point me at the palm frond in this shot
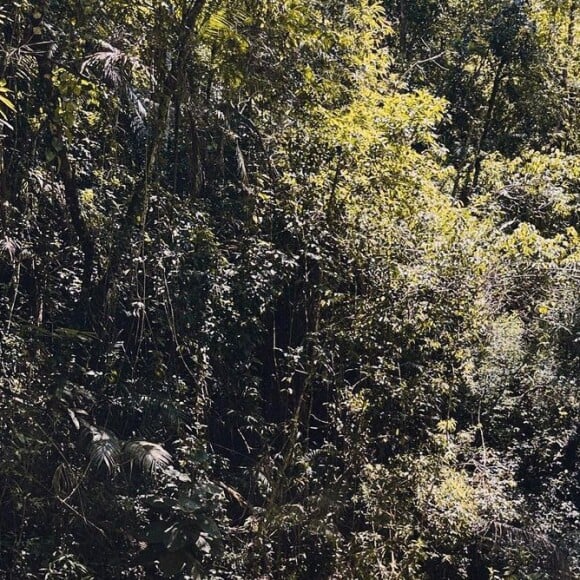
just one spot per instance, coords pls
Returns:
(5, 105)
(115, 63)
(10, 246)
(139, 108)
(104, 448)
(118, 68)
(242, 172)
(222, 22)
(216, 24)
(63, 479)
(149, 457)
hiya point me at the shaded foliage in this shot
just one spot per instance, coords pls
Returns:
(289, 289)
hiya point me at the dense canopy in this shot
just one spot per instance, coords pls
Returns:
(289, 289)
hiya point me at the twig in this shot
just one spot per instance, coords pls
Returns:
(425, 61)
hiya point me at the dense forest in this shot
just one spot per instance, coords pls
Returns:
(289, 289)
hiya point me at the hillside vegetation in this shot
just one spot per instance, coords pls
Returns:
(289, 289)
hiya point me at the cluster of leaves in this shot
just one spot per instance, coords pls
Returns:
(289, 289)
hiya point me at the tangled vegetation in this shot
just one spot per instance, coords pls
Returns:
(289, 289)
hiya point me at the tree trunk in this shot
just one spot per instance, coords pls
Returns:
(491, 104)
(65, 169)
(136, 212)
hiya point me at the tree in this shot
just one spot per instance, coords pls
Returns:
(288, 289)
